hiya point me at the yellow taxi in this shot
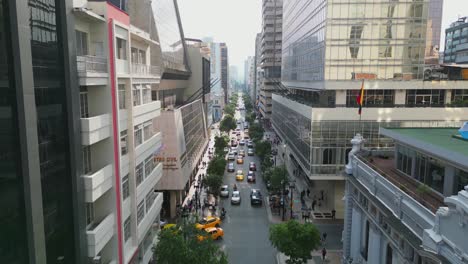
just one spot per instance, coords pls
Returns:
(214, 232)
(240, 159)
(171, 227)
(207, 222)
(239, 175)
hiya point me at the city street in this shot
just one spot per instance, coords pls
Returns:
(246, 226)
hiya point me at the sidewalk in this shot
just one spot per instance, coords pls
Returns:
(333, 257)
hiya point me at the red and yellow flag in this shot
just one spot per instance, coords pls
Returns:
(360, 98)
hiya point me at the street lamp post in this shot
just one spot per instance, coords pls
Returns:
(196, 198)
(291, 189)
(283, 183)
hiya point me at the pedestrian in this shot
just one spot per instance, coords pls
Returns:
(333, 213)
(324, 254)
(308, 193)
(324, 237)
(314, 203)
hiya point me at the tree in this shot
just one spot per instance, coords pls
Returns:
(263, 149)
(183, 246)
(250, 117)
(213, 182)
(295, 240)
(256, 132)
(216, 166)
(228, 123)
(278, 177)
(229, 109)
(221, 142)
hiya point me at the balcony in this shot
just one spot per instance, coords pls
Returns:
(146, 70)
(148, 146)
(145, 112)
(99, 235)
(95, 129)
(150, 216)
(150, 182)
(97, 183)
(92, 70)
(396, 192)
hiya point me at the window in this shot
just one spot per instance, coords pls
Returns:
(461, 178)
(141, 211)
(376, 98)
(389, 255)
(125, 187)
(123, 142)
(365, 249)
(121, 96)
(81, 43)
(425, 97)
(89, 214)
(148, 129)
(460, 97)
(150, 197)
(149, 165)
(86, 152)
(136, 95)
(405, 160)
(146, 92)
(355, 40)
(127, 228)
(121, 49)
(138, 135)
(139, 175)
(328, 156)
(84, 102)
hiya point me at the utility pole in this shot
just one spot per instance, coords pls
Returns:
(282, 195)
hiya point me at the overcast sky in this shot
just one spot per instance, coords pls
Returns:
(236, 22)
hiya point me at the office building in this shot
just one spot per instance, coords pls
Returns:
(456, 42)
(224, 71)
(248, 67)
(408, 204)
(42, 210)
(258, 70)
(217, 91)
(183, 91)
(272, 23)
(328, 55)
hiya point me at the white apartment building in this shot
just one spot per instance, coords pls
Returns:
(118, 64)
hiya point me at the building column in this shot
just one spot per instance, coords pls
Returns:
(449, 181)
(375, 238)
(448, 96)
(348, 222)
(356, 232)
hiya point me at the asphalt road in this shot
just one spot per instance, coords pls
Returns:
(245, 226)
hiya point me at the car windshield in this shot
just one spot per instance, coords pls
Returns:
(235, 194)
(204, 221)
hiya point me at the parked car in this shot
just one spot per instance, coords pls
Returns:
(251, 176)
(252, 166)
(230, 167)
(208, 221)
(224, 191)
(256, 197)
(235, 198)
(239, 175)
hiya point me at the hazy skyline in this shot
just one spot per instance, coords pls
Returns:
(237, 22)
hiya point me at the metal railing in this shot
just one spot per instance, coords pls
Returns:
(144, 69)
(88, 63)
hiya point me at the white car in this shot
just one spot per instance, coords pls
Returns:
(233, 151)
(224, 191)
(231, 156)
(235, 198)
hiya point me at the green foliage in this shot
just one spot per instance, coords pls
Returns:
(229, 109)
(250, 117)
(183, 247)
(278, 177)
(263, 149)
(228, 123)
(216, 166)
(459, 103)
(266, 162)
(295, 240)
(256, 132)
(213, 182)
(221, 142)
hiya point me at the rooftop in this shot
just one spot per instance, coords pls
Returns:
(443, 143)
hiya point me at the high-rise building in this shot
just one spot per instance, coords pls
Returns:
(330, 50)
(408, 204)
(456, 46)
(272, 23)
(224, 70)
(218, 89)
(41, 209)
(258, 70)
(248, 67)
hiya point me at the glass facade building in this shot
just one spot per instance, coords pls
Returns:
(39, 219)
(456, 42)
(170, 36)
(346, 40)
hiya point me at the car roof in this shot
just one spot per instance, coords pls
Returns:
(235, 192)
(252, 162)
(239, 171)
(209, 229)
(224, 186)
